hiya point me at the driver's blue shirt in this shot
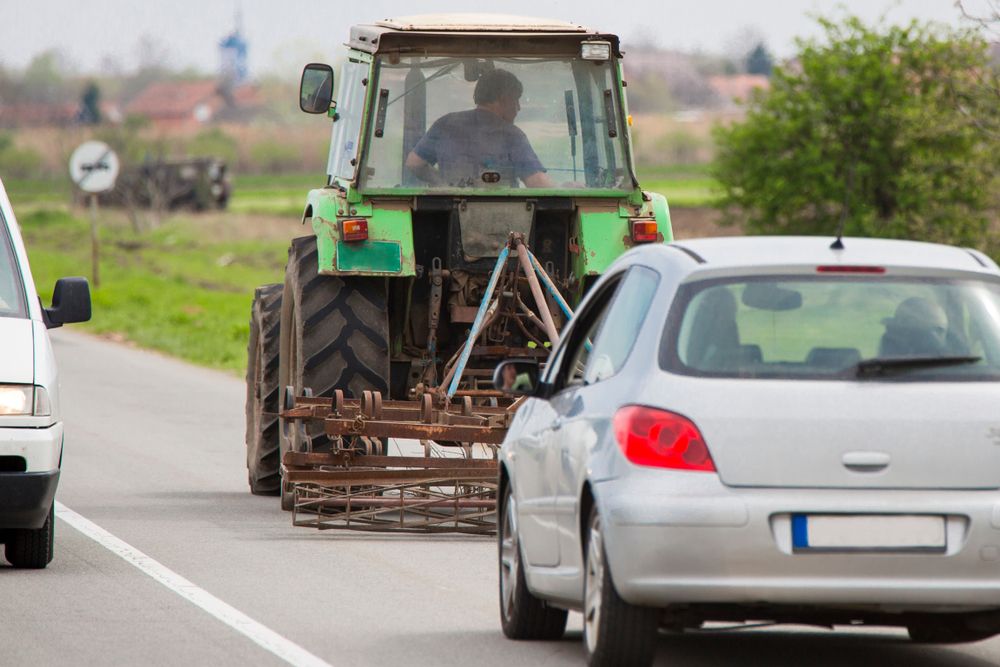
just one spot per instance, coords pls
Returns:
(472, 148)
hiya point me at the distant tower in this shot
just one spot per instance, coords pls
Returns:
(233, 55)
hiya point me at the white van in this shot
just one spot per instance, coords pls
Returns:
(31, 430)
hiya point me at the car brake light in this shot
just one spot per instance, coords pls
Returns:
(662, 439)
(644, 231)
(354, 230)
(850, 269)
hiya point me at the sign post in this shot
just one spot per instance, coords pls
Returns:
(94, 168)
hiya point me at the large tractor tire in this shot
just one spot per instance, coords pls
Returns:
(334, 334)
(262, 392)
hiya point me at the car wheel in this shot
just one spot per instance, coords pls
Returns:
(522, 615)
(31, 547)
(614, 631)
(944, 630)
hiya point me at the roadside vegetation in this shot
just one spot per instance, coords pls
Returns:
(892, 131)
(184, 289)
(889, 131)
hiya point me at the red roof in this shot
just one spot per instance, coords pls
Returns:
(738, 86)
(174, 99)
(37, 114)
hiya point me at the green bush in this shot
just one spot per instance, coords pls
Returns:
(18, 162)
(214, 142)
(275, 157)
(880, 128)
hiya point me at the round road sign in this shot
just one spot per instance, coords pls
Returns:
(93, 166)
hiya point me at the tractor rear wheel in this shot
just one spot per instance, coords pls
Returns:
(334, 334)
(262, 392)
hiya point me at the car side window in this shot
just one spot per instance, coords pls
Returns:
(571, 356)
(620, 325)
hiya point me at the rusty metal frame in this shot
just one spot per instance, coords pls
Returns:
(350, 488)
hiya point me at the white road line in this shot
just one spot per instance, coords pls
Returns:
(261, 635)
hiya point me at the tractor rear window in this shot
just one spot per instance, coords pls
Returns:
(836, 328)
(446, 123)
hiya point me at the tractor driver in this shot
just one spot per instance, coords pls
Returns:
(475, 147)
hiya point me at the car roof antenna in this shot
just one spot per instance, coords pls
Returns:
(838, 243)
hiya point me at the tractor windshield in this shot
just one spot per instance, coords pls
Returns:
(446, 123)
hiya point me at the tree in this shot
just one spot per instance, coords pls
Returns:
(878, 128)
(90, 105)
(759, 61)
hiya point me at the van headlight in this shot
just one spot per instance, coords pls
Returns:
(19, 399)
(16, 399)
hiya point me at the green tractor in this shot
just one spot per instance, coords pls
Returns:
(451, 135)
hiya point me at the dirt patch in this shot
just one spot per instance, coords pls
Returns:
(690, 223)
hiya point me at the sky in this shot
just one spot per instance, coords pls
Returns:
(106, 35)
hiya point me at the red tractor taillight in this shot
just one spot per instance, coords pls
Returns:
(662, 439)
(354, 230)
(644, 231)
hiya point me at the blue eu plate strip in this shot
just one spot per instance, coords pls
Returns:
(800, 531)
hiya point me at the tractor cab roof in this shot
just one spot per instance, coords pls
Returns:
(446, 33)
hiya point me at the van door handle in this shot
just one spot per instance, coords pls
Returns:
(866, 461)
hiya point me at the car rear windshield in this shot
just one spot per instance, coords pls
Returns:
(11, 287)
(835, 327)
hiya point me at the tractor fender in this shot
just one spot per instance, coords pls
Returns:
(388, 250)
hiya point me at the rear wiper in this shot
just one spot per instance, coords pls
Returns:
(888, 365)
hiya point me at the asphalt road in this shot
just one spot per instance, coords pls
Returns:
(155, 457)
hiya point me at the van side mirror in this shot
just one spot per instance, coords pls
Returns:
(316, 88)
(516, 377)
(70, 303)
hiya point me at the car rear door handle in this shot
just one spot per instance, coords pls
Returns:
(866, 461)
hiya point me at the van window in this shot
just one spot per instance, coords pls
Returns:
(11, 286)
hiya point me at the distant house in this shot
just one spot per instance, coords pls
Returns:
(737, 87)
(37, 114)
(173, 105)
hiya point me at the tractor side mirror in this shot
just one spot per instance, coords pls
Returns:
(316, 88)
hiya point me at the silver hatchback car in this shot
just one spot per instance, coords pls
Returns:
(761, 429)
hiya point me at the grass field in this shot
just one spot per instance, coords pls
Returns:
(185, 288)
(182, 289)
(284, 194)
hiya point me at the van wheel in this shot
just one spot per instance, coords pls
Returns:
(31, 547)
(614, 631)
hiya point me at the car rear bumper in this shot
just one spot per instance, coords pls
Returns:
(703, 542)
(26, 497)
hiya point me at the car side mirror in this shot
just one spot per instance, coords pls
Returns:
(70, 303)
(516, 377)
(316, 88)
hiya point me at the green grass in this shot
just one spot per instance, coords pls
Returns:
(167, 290)
(185, 288)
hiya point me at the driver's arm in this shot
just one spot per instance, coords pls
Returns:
(538, 180)
(422, 169)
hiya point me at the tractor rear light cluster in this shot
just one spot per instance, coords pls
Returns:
(650, 437)
(354, 230)
(644, 230)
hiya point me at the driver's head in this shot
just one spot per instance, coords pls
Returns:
(499, 91)
(922, 323)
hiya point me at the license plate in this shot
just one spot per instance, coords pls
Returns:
(867, 532)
